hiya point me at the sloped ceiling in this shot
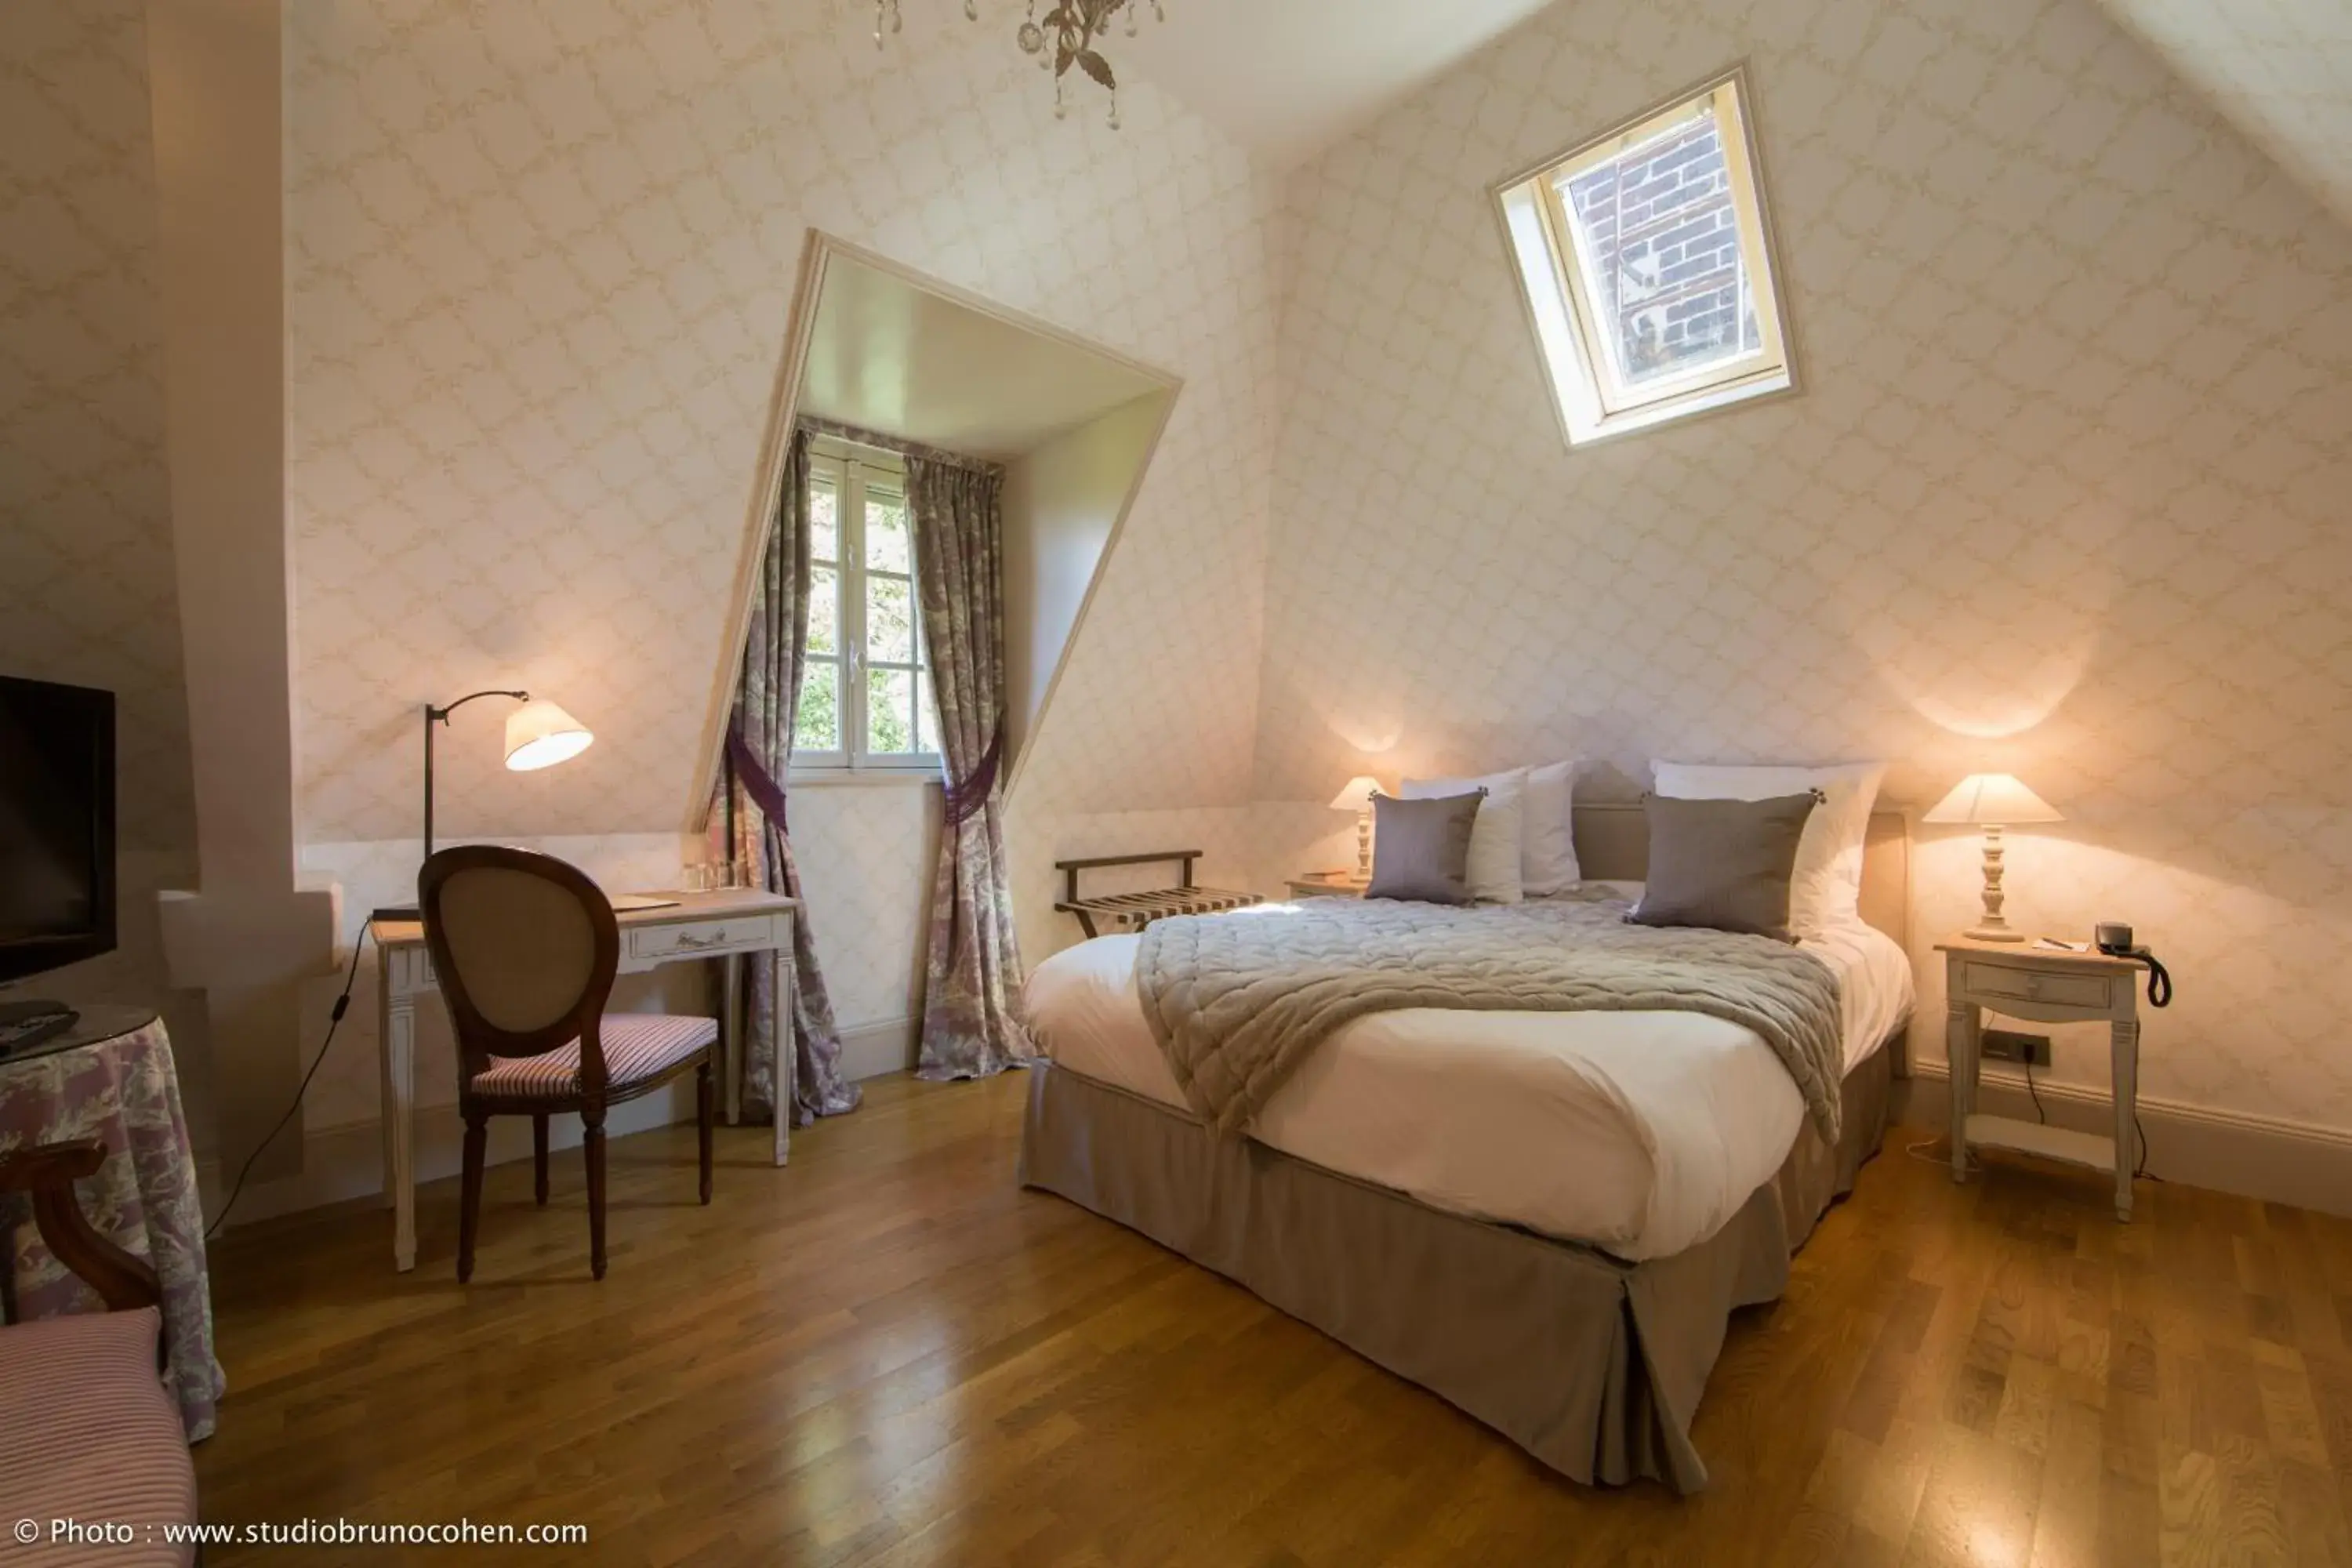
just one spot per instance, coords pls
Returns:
(1284, 78)
(2067, 491)
(2282, 69)
(893, 358)
(540, 258)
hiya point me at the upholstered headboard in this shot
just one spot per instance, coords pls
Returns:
(1613, 844)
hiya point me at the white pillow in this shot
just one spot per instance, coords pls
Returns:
(1493, 873)
(1825, 888)
(1548, 831)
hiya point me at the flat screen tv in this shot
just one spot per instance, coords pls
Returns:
(57, 825)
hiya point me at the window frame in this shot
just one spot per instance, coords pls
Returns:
(852, 473)
(1591, 397)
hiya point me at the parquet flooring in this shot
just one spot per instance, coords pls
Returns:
(890, 1355)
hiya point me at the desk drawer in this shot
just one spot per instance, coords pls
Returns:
(693, 939)
(2089, 991)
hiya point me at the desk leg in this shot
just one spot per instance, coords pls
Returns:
(2125, 1044)
(397, 1033)
(730, 1033)
(1961, 1040)
(787, 1050)
(384, 1064)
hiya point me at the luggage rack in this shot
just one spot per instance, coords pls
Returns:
(1133, 911)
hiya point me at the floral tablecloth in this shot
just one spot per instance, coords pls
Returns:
(124, 1091)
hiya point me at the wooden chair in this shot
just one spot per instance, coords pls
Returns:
(526, 948)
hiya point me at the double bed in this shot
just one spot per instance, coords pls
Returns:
(1546, 1217)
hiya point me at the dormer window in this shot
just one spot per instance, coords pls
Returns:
(1646, 260)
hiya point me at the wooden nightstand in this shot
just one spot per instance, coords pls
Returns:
(1326, 888)
(2019, 980)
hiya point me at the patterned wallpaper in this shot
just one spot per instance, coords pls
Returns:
(2068, 493)
(2281, 68)
(540, 256)
(867, 855)
(87, 590)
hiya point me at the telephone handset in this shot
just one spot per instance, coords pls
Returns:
(2115, 939)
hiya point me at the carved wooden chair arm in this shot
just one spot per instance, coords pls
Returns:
(122, 1280)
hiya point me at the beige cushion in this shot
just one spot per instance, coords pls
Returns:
(638, 1046)
(87, 1431)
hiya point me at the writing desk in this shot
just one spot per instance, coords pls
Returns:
(729, 926)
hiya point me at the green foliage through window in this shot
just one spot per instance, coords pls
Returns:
(865, 695)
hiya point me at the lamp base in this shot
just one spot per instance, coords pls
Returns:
(1992, 928)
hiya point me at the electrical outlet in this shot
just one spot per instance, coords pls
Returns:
(2010, 1046)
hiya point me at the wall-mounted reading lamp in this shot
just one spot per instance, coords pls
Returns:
(539, 734)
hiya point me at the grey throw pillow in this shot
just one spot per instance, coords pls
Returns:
(1723, 863)
(1421, 848)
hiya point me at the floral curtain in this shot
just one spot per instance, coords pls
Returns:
(972, 1025)
(759, 752)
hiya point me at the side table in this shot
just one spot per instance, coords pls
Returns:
(2020, 981)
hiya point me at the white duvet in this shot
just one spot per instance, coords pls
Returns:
(1638, 1132)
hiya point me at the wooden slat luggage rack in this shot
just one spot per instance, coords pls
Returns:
(1133, 911)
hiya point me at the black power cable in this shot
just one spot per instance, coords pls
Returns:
(2159, 995)
(334, 1019)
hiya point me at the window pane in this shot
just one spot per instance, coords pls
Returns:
(825, 611)
(817, 726)
(887, 546)
(889, 618)
(824, 523)
(889, 712)
(1657, 235)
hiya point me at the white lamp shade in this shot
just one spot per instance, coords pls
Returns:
(1995, 799)
(540, 734)
(1358, 796)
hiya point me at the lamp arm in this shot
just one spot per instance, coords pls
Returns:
(441, 715)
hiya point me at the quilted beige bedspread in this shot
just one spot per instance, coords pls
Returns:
(1238, 1001)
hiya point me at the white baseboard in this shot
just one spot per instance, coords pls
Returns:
(2261, 1157)
(340, 1164)
(878, 1050)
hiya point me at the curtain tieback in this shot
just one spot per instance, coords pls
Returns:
(965, 799)
(758, 782)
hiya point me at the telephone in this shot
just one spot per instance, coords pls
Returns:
(2114, 937)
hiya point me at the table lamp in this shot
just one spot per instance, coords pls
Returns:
(1993, 802)
(1358, 798)
(539, 734)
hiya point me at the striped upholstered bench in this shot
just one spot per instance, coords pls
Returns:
(1133, 911)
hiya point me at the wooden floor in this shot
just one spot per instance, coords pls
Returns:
(890, 1355)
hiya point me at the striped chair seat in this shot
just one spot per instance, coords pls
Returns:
(89, 1432)
(638, 1047)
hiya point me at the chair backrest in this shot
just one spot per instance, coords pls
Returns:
(526, 947)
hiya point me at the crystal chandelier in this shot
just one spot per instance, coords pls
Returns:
(1068, 36)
